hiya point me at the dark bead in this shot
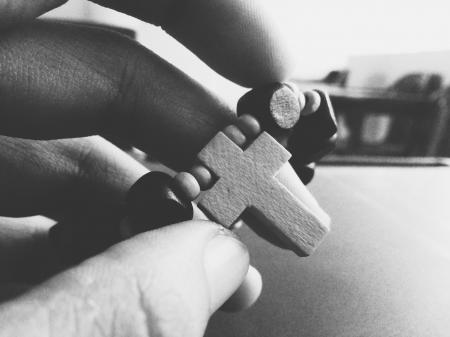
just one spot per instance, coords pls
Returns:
(275, 106)
(315, 135)
(309, 139)
(153, 202)
(306, 173)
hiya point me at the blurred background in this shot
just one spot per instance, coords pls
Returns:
(386, 65)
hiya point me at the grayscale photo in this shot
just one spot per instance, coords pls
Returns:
(224, 168)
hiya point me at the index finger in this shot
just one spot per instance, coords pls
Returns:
(237, 38)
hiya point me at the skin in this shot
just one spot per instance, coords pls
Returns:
(63, 81)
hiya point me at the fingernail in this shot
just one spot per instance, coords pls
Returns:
(226, 264)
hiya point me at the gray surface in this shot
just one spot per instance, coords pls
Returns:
(384, 270)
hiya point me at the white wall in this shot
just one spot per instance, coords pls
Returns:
(326, 32)
(379, 71)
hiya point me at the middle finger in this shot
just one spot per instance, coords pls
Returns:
(62, 80)
(43, 177)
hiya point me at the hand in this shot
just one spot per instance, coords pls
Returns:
(157, 283)
(62, 81)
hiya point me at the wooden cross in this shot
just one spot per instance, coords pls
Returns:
(247, 180)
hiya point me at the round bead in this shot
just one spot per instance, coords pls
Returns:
(237, 225)
(312, 102)
(315, 135)
(285, 108)
(153, 202)
(301, 101)
(187, 185)
(249, 125)
(292, 86)
(306, 173)
(236, 135)
(275, 106)
(202, 175)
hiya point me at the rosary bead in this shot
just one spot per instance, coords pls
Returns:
(152, 202)
(275, 106)
(202, 175)
(235, 134)
(315, 135)
(249, 125)
(187, 185)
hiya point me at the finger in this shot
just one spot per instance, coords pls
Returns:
(28, 256)
(41, 177)
(25, 255)
(86, 235)
(157, 283)
(74, 246)
(65, 81)
(237, 38)
(15, 11)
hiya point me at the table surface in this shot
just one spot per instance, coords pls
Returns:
(384, 269)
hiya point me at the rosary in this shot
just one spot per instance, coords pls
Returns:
(242, 173)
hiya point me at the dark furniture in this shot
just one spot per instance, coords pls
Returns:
(388, 123)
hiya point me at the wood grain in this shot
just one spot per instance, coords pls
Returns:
(247, 181)
(284, 108)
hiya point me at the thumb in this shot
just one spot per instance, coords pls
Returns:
(165, 282)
